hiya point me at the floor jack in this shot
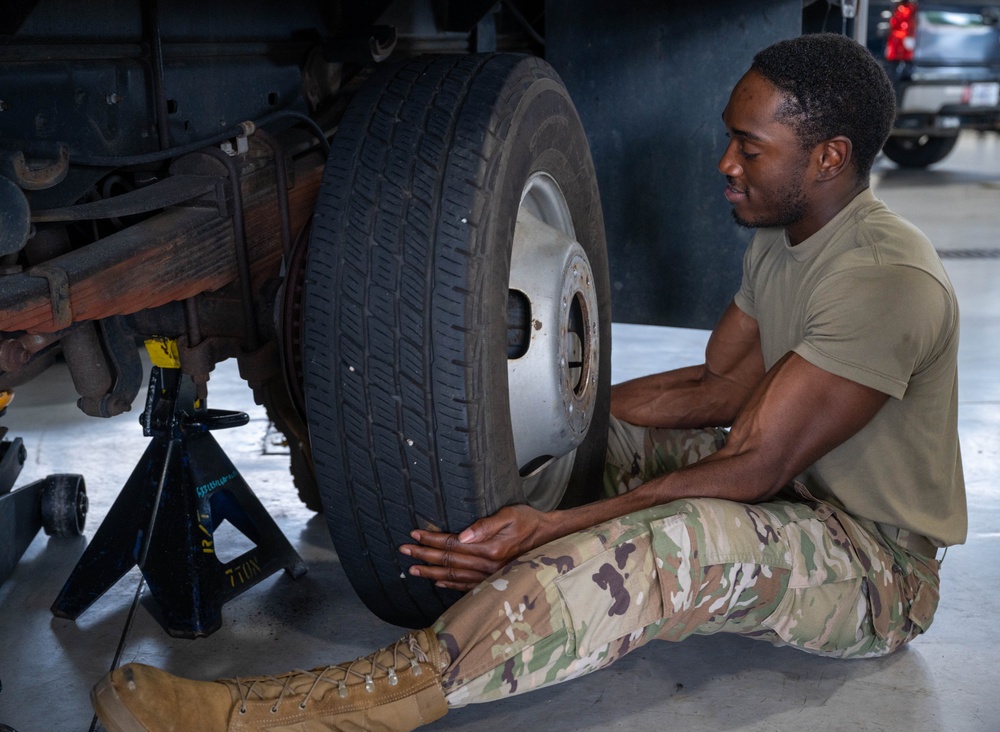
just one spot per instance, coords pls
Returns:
(165, 519)
(57, 503)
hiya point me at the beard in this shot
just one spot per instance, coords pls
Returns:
(789, 209)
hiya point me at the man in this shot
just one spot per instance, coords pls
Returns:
(814, 522)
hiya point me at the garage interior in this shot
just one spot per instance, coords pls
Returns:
(945, 680)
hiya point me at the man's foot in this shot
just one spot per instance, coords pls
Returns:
(396, 688)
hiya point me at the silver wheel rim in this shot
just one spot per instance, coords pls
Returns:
(553, 342)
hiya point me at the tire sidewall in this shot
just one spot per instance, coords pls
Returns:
(936, 149)
(544, 135)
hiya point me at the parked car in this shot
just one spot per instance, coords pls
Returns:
(944, 62)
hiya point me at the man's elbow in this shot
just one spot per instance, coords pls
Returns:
(763, 472)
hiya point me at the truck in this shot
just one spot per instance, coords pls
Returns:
(407, 221)
(943, 57)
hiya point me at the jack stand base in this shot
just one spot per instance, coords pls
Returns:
(165, 519)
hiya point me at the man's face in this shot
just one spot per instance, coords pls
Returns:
(764, 163)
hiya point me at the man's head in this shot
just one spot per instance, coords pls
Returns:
(805, 124)
(833, 86)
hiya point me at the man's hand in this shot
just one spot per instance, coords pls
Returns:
(461, 561)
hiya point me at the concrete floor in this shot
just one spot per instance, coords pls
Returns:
(946, 680)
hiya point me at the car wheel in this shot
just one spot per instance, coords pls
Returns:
(918, 152)
(457, 314)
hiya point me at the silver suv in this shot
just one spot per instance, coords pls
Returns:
(944, 62)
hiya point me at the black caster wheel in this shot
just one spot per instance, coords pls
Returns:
(64, 505)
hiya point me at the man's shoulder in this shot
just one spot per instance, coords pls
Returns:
(883, 238)
(878, 219)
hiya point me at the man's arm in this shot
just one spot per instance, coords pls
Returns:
(794, 416)
(691, 397)
(708, 395)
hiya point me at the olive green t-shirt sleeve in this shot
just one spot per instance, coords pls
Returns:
(876, 326)
(744, 296)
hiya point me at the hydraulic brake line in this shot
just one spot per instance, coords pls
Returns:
(93, 161)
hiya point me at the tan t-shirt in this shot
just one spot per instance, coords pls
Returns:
(867, 298)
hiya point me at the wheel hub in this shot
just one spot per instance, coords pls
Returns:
(553, 376)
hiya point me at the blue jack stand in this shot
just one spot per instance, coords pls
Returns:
(166, 516)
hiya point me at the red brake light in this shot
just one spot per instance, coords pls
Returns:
(902, 32)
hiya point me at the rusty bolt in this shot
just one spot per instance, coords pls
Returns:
(13, 355)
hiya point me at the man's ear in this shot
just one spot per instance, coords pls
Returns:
(832, 157)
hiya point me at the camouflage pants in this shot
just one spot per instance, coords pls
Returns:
(792, 571)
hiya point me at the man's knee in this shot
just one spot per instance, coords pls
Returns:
(638, 454)
(690, 566)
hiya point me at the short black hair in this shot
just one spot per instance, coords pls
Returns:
(832, 86)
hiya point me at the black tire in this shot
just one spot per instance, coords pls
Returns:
(64, 505)
(406, 310)
(918, 152)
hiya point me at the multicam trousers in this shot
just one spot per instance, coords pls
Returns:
(792, 571)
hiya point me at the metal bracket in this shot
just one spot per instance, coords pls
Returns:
(242, 143)
(119, 345)
(58, 279)
(37, 179)
(374, 44)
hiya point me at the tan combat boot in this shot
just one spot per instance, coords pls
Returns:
(392, 690)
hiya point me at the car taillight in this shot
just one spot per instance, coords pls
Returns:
(902, 32)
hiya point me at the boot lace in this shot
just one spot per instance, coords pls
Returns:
(406, 650)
